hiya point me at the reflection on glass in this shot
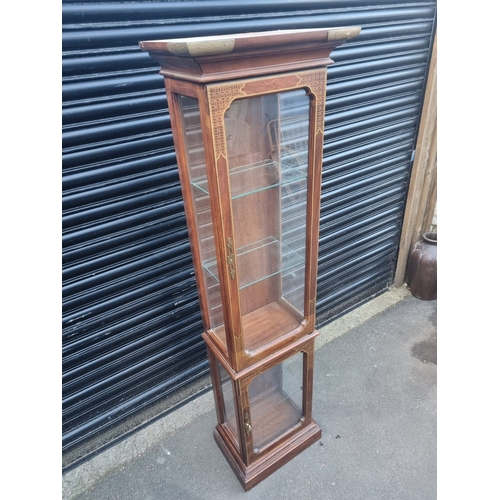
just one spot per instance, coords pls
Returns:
(267, 145)
(198, 176)
(276, 401)
(227, 394)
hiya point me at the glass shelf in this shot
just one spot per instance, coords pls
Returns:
(273, 255)
(262, 175)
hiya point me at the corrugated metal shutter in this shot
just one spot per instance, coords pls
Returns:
(131, 321)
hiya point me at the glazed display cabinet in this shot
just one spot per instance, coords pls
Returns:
(247, 115)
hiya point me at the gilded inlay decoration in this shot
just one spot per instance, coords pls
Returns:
(312, 306)
(221, 97)
(316, 81)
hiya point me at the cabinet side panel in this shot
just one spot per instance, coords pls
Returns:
(203, 222)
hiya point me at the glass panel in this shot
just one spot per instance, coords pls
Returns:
(276, 401)
(227, 394)
(198, 177)
(267, 143)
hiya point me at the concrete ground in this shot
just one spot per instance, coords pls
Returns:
(374, 398)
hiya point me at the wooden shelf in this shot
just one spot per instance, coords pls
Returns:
(263, 325)
(266, 324)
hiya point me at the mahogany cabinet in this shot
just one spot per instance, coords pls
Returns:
(247, 115)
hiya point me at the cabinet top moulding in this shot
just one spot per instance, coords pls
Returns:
(224, 57)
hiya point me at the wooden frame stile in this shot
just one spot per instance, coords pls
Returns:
(218, 179)
(314, 198)
(214, 117)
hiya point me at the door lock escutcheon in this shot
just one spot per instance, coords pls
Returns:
(248, 427)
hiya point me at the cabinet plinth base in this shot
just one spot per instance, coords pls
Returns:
(251, 475)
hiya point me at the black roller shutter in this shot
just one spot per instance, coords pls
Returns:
(131, 320)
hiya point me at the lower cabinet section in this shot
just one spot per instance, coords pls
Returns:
(264, 412)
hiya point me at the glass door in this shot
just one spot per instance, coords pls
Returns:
(267, 139)
(276, 401)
